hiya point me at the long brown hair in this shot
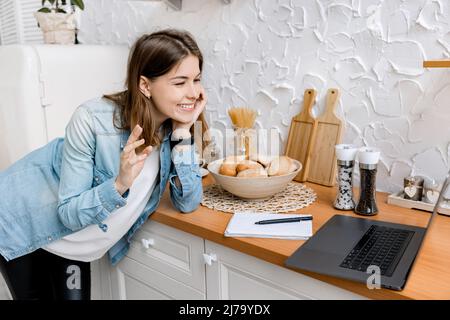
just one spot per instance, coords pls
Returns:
(152, 55)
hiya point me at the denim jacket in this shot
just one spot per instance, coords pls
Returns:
(68, 184)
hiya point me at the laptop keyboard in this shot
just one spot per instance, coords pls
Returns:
(380, 246)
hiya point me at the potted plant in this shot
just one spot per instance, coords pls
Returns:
(56, 18)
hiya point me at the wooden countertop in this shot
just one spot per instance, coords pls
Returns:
(429, 279)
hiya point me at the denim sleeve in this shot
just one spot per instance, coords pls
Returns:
(80, 204)
(185, 166)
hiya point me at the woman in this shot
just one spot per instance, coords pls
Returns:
(75, 199)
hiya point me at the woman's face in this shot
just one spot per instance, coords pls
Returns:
(175, 93)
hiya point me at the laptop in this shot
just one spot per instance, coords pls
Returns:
(356, 248)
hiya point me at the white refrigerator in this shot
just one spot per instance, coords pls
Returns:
(42, 85)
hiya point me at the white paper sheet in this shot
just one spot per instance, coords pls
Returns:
(242, 224)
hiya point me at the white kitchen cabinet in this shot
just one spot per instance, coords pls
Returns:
(101, 279)
(172, 264)
(136, 281)
(171, 252)
(235, 275)
(162, 263)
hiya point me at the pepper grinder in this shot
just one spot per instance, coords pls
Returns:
(368, 160)
(345, 155)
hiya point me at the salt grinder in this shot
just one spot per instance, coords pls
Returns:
(368, 160)
(345, 155)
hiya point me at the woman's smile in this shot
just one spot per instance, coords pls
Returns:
(186, 106)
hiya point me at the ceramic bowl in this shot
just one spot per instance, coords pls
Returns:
(252, 188)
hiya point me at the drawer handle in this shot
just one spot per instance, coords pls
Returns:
(147, 243)
(209, 258)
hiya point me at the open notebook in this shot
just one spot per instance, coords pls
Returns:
(242, 224)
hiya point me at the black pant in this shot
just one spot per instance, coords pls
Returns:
(41, 275)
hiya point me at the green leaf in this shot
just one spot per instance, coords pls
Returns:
(78, 3)
(60, 10)
(46, 10)
(52, 2)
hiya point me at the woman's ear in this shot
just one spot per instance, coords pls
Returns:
(144, 86)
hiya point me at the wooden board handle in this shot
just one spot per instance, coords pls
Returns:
(329, 129)
(331, 101)
(309, 97)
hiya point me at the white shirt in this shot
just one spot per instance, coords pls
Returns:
(91, 243)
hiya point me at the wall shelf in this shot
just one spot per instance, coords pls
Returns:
(436, 64)
(178, 4)
(174, 4)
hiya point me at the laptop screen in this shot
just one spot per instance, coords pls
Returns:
(434, 213)
(441, 196)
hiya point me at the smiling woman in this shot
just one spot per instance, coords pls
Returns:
(99, 184)
(163, 73)
(178, 92)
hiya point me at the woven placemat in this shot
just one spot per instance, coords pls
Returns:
(294, 197)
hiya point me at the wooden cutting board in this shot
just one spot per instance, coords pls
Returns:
(322, 169)
(302, 134)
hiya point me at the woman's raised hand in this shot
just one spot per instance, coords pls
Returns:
(131, 163)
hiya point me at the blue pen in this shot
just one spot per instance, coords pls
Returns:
(296, 219)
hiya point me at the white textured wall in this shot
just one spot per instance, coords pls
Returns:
(264, 53)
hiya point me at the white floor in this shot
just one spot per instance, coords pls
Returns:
(4, 293)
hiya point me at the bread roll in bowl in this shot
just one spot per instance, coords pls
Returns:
(252, 173)
(252, 185)
(228, 169)
(235, 159)
(248, 164)
(293, 166)
(263, 159)
(281, 165)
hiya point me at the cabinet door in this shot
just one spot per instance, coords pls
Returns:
(132, 280)
(162, 263)
(101, 279)
(234, 275)
(172, 252)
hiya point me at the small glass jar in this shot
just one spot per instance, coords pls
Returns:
(431, 190)
(413, 187)
(244, 141)
(212, 151)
